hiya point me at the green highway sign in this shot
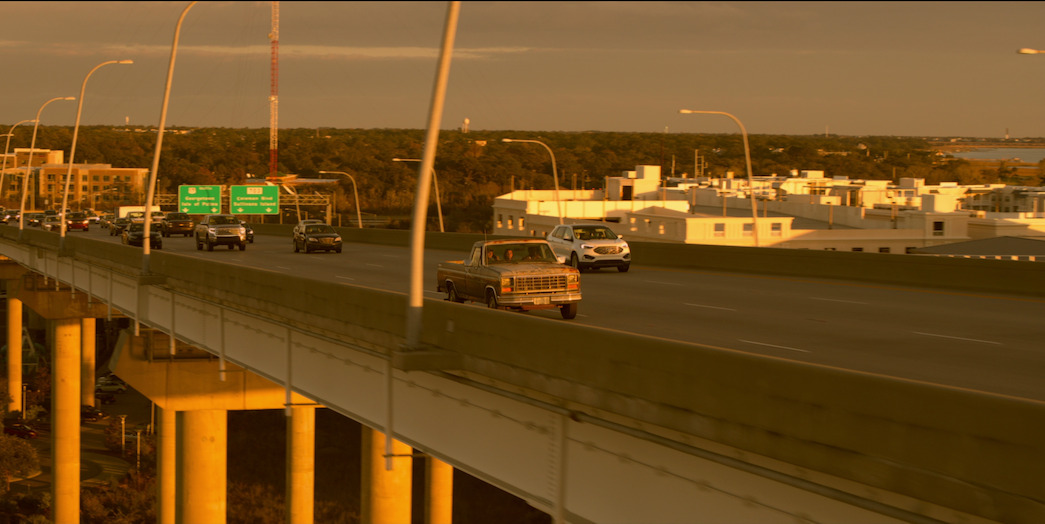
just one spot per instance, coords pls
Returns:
(199, 200)
(254, 200)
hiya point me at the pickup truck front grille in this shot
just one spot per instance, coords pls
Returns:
(540, 283)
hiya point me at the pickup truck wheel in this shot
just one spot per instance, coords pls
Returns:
(199, 245)
(242, 247)
(491, 300)
(296, 250)
(569, 311)
(210, 246)
(452, 296)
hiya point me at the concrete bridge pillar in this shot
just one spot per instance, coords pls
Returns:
(65, 419)
(301, 465)
(166, 440)
(386, 493)
(14, 354)
(439, 492)
(202, 468)
(87, 360)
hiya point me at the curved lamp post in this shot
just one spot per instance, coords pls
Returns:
(1029, 51)
(435, 184)
(747, 159)
(355, 192)
(555, 173)
(72, 149)
(151, 190)
(29, 164)
(3, 170)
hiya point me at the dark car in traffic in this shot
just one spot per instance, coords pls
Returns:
(91, 414)
(316, 237)
(20, 430)
(249, 230)
(134, 235)
(117, 225)
(177, 223)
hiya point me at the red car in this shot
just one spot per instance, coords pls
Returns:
(20, 431)
(76, 220)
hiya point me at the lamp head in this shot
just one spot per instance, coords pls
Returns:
(1028, 51)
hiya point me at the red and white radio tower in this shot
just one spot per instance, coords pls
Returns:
(274, 94)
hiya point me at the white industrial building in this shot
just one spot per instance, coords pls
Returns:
(805, 210)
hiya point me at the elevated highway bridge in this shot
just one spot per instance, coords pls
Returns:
(586, 421)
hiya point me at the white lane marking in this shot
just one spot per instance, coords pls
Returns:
(837, 300)
(710, 307)
(958, 338)
(776, 346)
(664, 283)
(345, 278)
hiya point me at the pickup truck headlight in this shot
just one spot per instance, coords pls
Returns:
(573, 281)
(506, 285)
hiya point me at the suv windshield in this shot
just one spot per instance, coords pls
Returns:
(219, 220)
(594, 233)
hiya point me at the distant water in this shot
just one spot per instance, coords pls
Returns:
(1025, 154)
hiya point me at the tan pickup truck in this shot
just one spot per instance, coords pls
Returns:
(512, 274)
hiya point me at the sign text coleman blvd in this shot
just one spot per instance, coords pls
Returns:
(254, 200)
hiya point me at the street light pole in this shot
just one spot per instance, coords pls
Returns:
(747, 159)
(435, 185)
(29, 164)
(72, 149)
(151, 190)
(3, 171)
(355, 192)
(555, 173)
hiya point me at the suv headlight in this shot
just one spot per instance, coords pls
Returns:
(587, 246)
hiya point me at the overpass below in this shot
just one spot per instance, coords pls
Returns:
(593, 425)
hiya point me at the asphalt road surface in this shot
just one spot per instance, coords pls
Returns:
(992, 343)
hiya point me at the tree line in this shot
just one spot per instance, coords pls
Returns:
(473, 168)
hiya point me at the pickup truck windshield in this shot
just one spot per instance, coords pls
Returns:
(516, 253)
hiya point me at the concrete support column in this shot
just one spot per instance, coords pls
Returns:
(201, 464)
(386, 494)
(65, 419)
(87, 360)
(439, 492)
(301, 465)
(166, 440)
(14, 354)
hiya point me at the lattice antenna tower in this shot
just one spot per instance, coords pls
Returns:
(274, 92)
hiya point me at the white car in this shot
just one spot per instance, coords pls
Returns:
(590, 246)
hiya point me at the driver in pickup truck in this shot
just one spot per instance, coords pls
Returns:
(491, 257)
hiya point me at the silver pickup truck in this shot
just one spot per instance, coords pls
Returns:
(512, 274)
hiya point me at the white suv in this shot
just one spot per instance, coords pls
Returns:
(590, 246)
